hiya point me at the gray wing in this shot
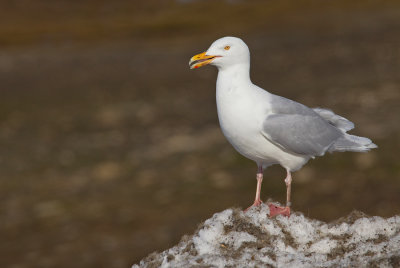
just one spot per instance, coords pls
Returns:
(305, 134)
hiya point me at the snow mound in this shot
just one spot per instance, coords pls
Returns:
(233, 238)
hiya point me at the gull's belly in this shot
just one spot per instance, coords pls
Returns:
(251, 144)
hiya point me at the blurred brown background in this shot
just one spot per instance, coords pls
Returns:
(110, 146)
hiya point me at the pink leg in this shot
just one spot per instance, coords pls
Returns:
(288, 181)
(275, 210)
(257, 200)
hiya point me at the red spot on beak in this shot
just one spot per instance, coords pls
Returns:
(196, 67)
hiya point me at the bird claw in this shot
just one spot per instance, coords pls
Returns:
(275, 210)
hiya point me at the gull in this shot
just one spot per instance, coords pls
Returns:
(267, 128)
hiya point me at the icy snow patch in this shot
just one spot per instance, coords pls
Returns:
(323, 246)
(212, 234)
(238, 239)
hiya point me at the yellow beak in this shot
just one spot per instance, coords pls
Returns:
(200, 60)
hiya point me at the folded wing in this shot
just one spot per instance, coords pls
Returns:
(301, 134)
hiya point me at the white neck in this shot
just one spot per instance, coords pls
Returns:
(233, 76)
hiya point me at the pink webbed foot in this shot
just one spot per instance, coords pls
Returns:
(274, 210)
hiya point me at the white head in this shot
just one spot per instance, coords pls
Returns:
(223, 53)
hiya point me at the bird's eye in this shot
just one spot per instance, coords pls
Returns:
(227, 47)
